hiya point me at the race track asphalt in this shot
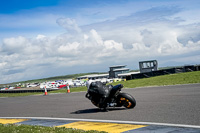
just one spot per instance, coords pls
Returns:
(178, 104)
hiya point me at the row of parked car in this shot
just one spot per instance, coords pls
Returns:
(72, 83)
(7, 88)
(61, 84)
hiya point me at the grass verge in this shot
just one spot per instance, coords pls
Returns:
(11, 128)
(172, 79)
(19, 94)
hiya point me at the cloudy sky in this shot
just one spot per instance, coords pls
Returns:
(44, 38)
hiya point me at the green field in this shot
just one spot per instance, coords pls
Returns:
(172, 79)
(11, 128)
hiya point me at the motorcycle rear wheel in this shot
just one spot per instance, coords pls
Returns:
(126, 100)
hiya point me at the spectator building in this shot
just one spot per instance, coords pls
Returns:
(116, 70)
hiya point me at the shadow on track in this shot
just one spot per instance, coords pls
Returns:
(96, 110)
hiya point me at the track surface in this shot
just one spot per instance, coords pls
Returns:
(177, 104)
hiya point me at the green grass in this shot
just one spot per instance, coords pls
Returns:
(19, 94)
(172, 79)
(11, 128)
(75, 89)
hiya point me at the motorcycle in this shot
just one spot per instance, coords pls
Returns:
(104, 96)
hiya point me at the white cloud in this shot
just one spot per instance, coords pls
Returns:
(40, 37)
(14, 44)
(69, 50)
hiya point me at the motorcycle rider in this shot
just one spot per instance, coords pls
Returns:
(99, 93)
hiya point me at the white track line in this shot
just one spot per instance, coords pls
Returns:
(109, 121)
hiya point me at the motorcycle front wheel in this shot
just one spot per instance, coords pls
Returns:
(126, 100)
